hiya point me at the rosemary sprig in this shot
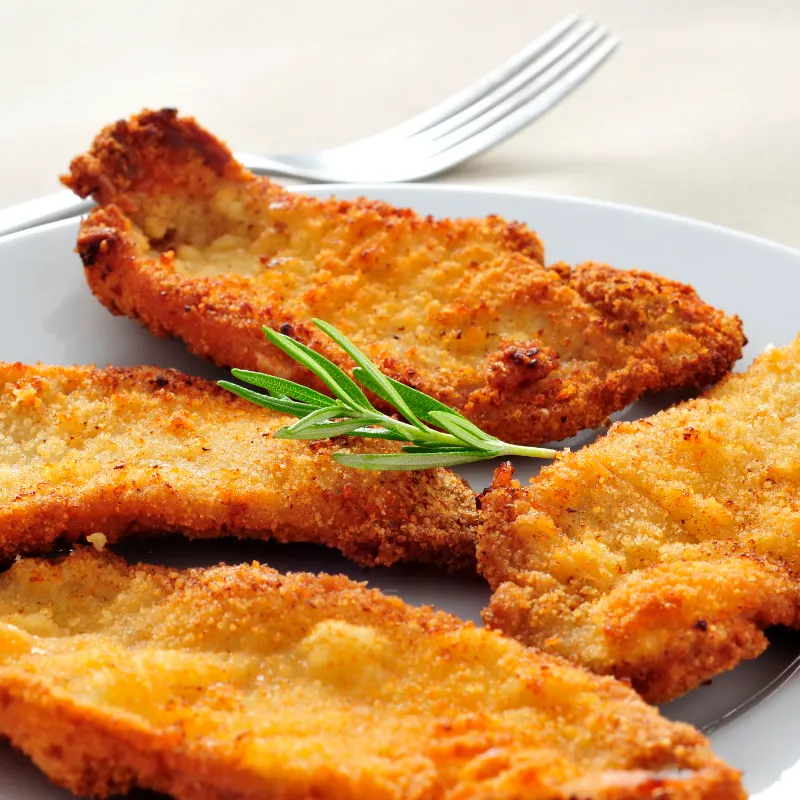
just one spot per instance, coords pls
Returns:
(435, 435)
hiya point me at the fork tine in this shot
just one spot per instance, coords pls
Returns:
(543, 101)
(490, 81)
(527, 93)
(535, 68)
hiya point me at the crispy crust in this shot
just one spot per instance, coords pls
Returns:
(662, 552)
(119, 451)
(190, 244)
(236, 683)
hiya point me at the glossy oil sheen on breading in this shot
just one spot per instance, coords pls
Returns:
(117, 451)
(661, 552)
(239, 683)
(191, 244)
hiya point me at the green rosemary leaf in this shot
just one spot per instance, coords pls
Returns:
(453, 424)
(467, 425)
(379, 433)
(282, 387)
(334, 378)
(365, 378)
(358, 398)
(388, 392)
(282, 404)
(323, 430)
(437, 448)
(421, 404)
(319, 416)
(395, 462)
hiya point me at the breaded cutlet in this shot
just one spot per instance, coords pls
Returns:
(149, 451)
(191, 244)
(240, 683)
(660, 553)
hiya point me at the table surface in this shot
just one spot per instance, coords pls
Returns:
(696, 114)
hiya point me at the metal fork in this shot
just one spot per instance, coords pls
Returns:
(473, 120)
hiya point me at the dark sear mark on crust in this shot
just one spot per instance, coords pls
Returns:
(92, 246)
(525, 357)
(514, 366)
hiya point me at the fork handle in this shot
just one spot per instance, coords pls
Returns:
(61, 205)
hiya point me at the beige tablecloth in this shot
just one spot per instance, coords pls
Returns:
(697, 113)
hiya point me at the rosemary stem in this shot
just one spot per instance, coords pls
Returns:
(530, 452)
(417, 434)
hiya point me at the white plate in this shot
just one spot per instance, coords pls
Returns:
(48, 314)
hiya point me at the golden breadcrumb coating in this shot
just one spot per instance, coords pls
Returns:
(114, 451)
(190, 243)
(661, 552)
(241, 683)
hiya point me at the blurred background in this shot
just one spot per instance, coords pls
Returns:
(696, 114)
